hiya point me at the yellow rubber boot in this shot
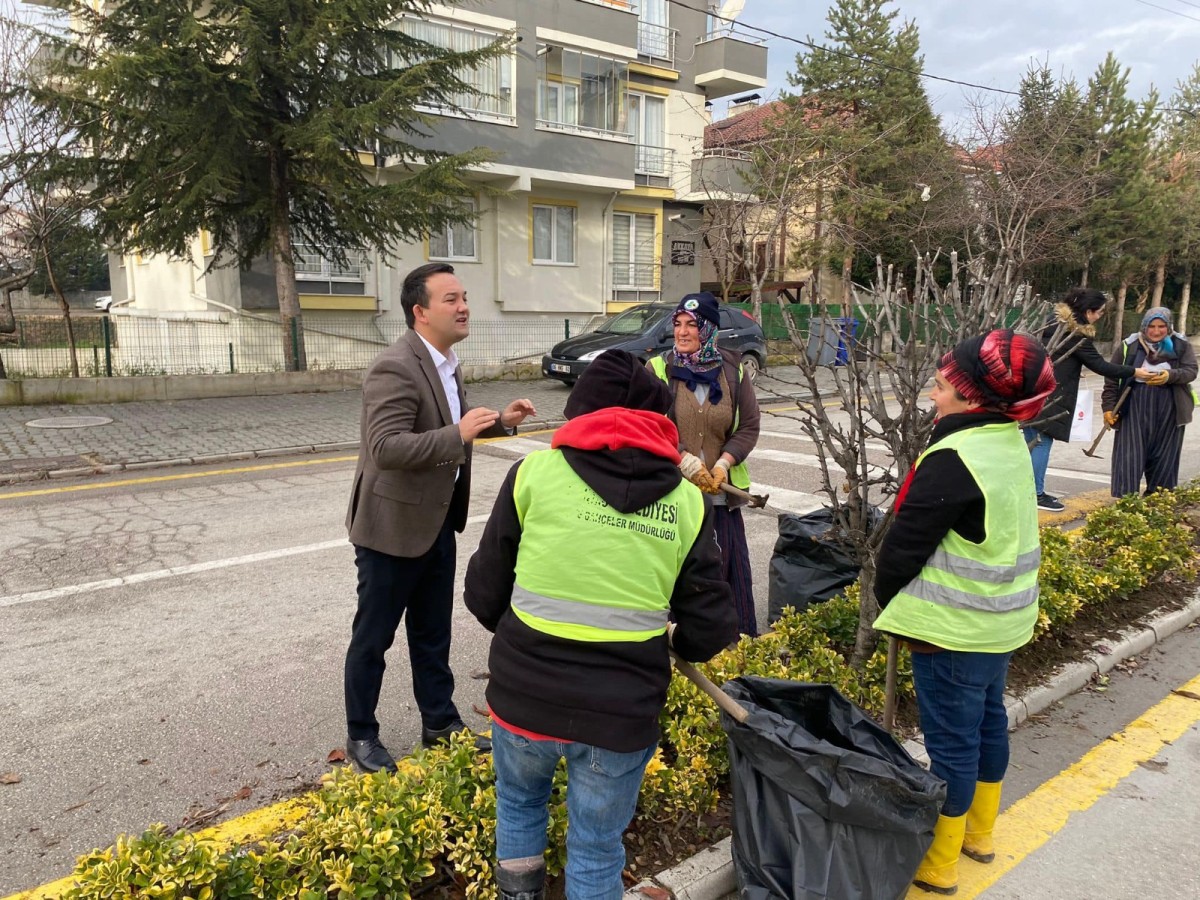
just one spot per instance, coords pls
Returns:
(938, 871)
(981, 819)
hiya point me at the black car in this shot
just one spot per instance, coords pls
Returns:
(645, 330)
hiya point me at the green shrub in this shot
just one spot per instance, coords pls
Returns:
(380, 835)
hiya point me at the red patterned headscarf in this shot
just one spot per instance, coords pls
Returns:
(1002, 370)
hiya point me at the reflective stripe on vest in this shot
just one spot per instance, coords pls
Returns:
(979, 597)
(979, 571)
(584, 570)
(578, 612)
(739, 475)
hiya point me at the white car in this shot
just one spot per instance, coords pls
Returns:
(103, 303)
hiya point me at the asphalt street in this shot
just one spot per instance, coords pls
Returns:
(173, 637)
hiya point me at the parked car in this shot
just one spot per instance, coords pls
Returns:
(645, 330)
(103, 303)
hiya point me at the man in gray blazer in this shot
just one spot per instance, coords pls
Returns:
(411, 489)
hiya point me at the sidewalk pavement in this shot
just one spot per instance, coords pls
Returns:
(159, 433)
(149, 434)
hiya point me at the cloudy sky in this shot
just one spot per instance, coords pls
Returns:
(992, 43)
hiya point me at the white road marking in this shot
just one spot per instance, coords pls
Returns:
(1079, 476)
(794, 436)
(159, 574)
(784, 500)
(520, 446)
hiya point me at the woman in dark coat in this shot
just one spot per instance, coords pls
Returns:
(1068, 341)
(1150, 423)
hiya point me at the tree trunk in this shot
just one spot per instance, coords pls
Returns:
(1083, 279)
(756, 301)
(847, 294)
(284, 263)
(66, 310)
(865, 638)
(1184, 298)
(1160, 277)
(1119, 312)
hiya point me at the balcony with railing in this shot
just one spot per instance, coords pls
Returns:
(729, 65)
(312, 264)
(653, 165)
(656, 44)
(720, 172)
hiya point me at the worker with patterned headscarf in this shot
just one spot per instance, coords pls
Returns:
(714, 406)
(1149, 414)
(957, 579)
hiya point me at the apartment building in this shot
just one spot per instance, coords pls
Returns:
(595, 117)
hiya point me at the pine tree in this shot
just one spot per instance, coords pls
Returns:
(263, 123)
(862, 94)
(1123, 230)
(1047, 179)
(1180, 157)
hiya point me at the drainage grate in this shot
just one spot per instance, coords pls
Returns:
(69, 422)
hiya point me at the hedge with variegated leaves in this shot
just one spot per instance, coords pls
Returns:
(376, 835)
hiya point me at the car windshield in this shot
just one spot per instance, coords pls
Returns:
(637, 320)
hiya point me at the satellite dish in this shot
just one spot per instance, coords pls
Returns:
(731, 9)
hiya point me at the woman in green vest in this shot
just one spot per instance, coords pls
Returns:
(957, 579)
(717, 414)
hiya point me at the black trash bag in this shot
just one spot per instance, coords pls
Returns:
(826, 804)
(807, 568)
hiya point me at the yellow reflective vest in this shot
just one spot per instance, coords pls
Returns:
(979, 597)
(739, 475)
(607, 575)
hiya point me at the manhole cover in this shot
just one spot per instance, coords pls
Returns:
(69, 422)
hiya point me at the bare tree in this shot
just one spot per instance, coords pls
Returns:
(1021, 205)
(39, 212)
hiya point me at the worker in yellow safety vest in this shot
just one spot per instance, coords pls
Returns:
(957, 579)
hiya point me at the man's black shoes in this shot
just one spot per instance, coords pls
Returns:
(370, 755)
(1051, 504)
(431, 736)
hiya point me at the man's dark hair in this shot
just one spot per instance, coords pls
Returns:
(414, 292)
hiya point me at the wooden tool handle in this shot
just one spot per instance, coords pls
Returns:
(723, 700)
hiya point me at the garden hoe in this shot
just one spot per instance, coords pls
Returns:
(756, 501)
(1091, 451)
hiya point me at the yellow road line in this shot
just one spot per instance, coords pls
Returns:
(1036, 818)
(155, 479)
(179, 476)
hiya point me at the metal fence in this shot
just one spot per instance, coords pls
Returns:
(212, 344)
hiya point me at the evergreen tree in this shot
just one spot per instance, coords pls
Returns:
(1180, 158)
(77, 258)
(1123, 230)
(261, 122)
(881, 142)
(1046, 180)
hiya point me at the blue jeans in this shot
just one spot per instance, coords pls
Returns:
(1040, 446)
(602, 793)
(961, 700)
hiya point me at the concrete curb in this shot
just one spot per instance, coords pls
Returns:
(709, 874)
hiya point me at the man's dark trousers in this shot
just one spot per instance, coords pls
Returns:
(421, 591)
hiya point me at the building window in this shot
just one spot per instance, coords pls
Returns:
(493, 78)
(455, 241)
(648, 122)
(314, 263)
(553, 234)
(656, 39)
(635, 244)
(580, 91)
